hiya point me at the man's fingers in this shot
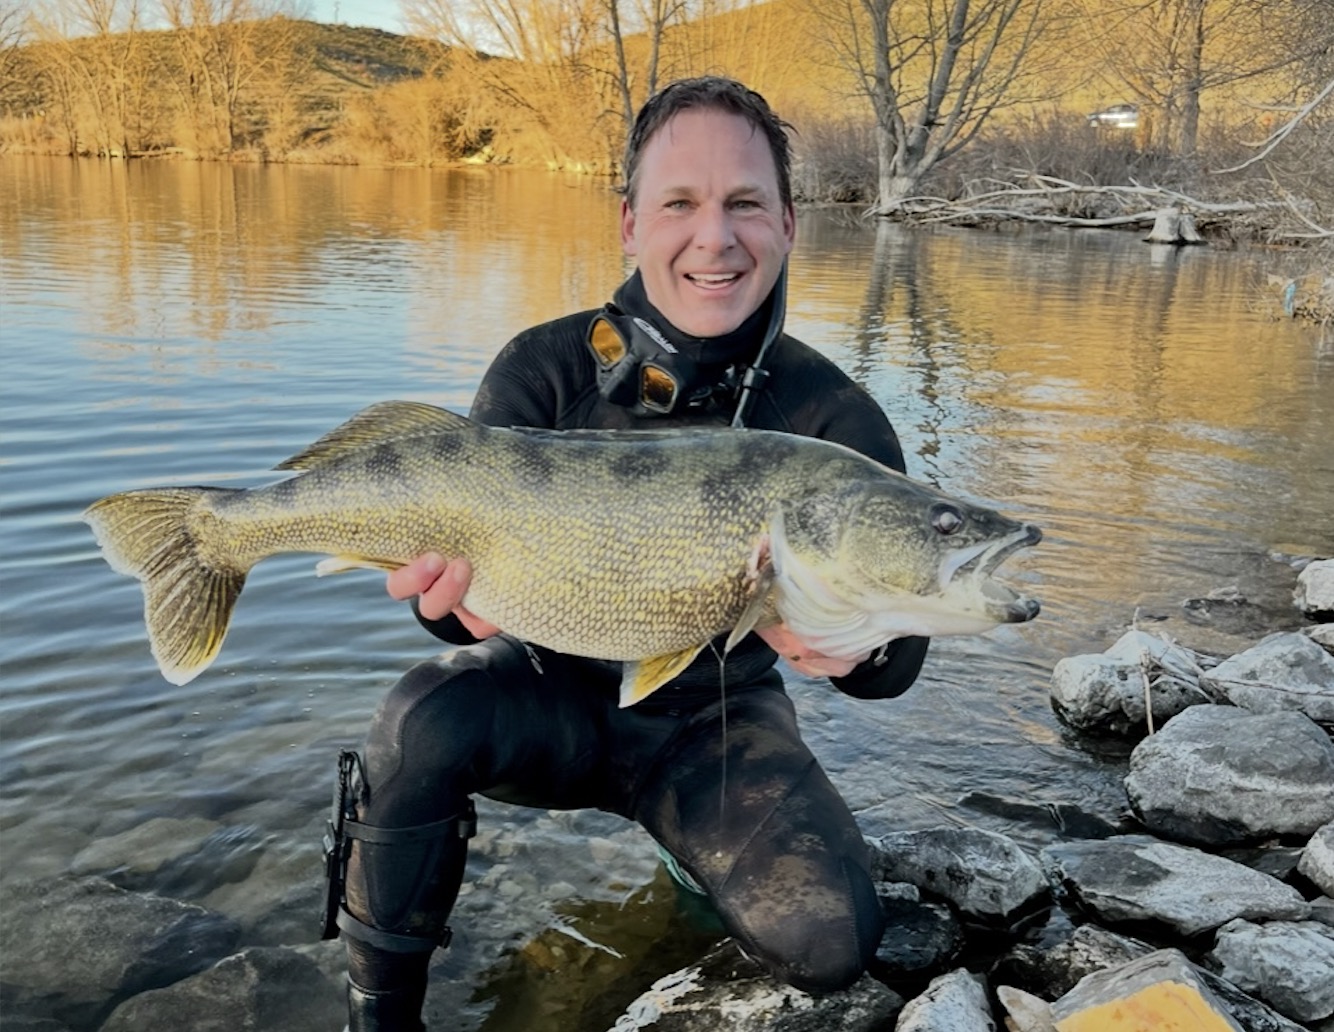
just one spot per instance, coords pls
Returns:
(443, 595)
(475, 625)
(416, 576)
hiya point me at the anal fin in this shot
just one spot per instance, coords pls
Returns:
(342, 563)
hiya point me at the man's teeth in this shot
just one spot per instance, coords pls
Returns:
(712, 278)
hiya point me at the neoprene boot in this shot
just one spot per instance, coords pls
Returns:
(398, 1010)
(391, 893)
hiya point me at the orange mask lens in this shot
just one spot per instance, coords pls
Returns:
(606, 343)
(658, 389)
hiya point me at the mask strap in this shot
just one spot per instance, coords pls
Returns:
(753, 379)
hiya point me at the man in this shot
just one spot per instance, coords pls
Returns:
(748, 815)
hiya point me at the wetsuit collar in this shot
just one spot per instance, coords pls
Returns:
(738, 346)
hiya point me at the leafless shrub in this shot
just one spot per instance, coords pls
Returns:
(834, 160)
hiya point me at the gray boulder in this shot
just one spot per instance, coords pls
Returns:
(1317, 862)
(1106, 693)
(1285, 671)
(954, 1002)
(1217, 775)
(1314, 594)
(1322, 635)
(726, 990)
(984, 874)
(1052, 969)
(1135, 878)
(1251, 1014)
(75, 947)
(1289, 965)
(261, 989)
(919, 936)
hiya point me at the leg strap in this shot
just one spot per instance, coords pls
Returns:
(343, 829)
(462, 825)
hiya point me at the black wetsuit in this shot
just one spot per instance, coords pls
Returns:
(783, 861)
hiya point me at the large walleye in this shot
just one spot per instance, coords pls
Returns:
(632, 546)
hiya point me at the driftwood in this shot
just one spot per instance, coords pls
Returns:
(1171, 216)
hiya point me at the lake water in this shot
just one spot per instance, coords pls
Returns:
(172, 323)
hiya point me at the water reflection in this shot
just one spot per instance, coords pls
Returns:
(191, 323)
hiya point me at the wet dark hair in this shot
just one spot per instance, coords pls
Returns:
(711, 92)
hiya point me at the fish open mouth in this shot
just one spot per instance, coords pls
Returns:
(977, 565)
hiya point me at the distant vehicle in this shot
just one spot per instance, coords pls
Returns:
(1118, 116)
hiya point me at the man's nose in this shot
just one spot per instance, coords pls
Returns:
(713, 228)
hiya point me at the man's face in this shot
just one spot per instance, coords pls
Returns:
(707, 227)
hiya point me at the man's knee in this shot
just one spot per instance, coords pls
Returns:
(819, 938)
(433, 720)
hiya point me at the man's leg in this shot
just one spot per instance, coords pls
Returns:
(485, 718)
(749, 813)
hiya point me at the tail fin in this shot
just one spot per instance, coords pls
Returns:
(187, 602)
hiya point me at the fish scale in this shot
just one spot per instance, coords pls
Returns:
(633, 546)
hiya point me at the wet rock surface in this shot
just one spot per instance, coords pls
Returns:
(726, 990)
(1289, 965)
(984, 874)
(1216, 775)
(1137, 879)
(1285, 671)
(261, 989)
(73, 948)
(1139, 682)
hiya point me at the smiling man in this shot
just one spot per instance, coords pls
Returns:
(746, 817)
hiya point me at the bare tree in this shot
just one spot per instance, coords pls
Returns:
(96, 69)
(13, 33)
(933, 71)
(650, 20)
(236, 57)
(568, 74)
(1167, 55)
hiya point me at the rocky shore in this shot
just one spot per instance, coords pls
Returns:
(1211, 897)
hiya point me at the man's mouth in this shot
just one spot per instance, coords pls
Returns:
(713, 280)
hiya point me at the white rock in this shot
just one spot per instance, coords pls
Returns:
(954, 1002)
(1317, 862)
(1314, 593)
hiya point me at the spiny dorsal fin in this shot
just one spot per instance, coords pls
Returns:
(385, 421)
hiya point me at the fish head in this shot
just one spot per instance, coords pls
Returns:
(905, 537)
(891, 557)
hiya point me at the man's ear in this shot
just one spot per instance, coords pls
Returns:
(628, 229)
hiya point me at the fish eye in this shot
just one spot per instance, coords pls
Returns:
(946, 519)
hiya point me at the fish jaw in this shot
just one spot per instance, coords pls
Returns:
(967, 583)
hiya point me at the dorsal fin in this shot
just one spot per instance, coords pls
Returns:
(384, 421)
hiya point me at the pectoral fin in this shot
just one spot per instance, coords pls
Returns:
(759, 584)
(343, 563)
(641, 679)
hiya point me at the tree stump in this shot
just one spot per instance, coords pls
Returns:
(1174, 226)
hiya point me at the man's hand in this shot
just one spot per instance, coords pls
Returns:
(439, 586)
(802, 658)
